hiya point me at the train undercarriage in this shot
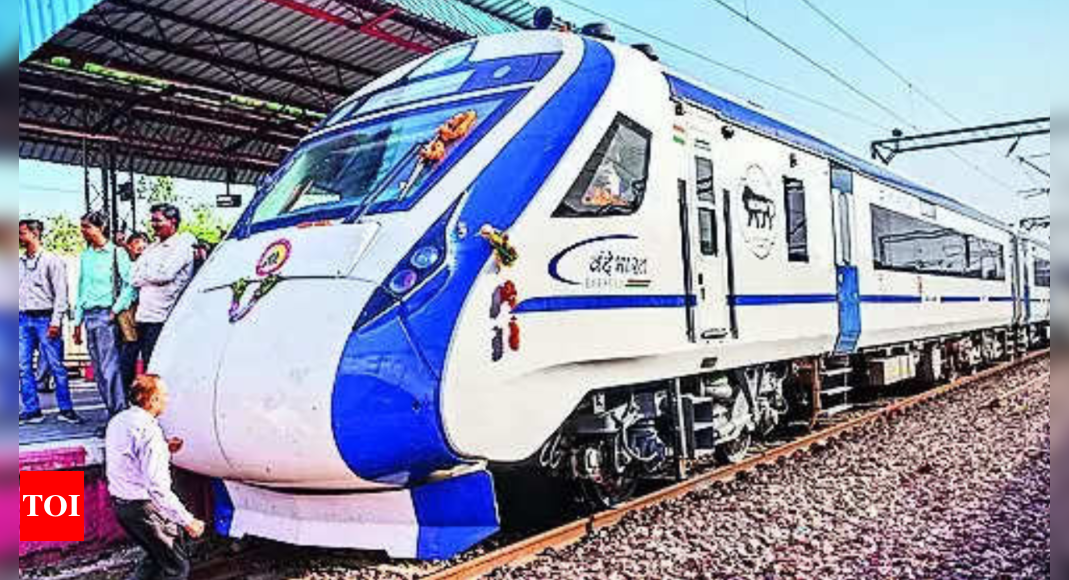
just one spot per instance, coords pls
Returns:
(618, 438)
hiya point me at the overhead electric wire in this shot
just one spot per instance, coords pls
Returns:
(913, 86)
(910, 84)
(850, 86)
(812, 61)
(730, 68)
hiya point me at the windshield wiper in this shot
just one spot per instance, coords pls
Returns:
(361, 210)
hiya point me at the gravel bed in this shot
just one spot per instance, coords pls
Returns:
(950, 490)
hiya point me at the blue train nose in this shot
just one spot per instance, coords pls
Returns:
(385, 412)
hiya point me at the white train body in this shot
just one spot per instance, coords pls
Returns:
(348, 362)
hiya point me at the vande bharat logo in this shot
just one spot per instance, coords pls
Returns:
(52, 506)
(760, 211)
(616, 263)
(274, 258)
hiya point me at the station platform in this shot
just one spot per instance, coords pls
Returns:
(53, 435)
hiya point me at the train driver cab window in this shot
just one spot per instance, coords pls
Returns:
(613, 182)
(797, 226)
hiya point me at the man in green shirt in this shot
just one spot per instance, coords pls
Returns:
(103, 291)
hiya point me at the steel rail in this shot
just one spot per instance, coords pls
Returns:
(571, 533)
(1002, 398)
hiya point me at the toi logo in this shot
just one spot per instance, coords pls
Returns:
(52, 506)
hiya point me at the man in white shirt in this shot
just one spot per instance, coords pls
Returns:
(161, 275)
(138, 466)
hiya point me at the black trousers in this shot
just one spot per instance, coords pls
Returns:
(148, 334)
(163, 541)
(129, 353)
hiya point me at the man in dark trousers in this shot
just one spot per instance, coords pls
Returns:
(138, 465)
(161, 275)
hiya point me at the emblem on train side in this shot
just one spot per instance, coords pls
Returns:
(759, 212)
(274, 258)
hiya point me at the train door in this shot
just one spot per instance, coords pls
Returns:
(1018, 280)
(1027, 276)
(705, 248)
(848, 283)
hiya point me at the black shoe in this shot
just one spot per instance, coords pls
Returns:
(31, 418)
(70, 417)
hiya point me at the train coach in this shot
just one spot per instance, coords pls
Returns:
(548, 249)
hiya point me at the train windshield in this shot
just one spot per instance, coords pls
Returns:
(378, 166)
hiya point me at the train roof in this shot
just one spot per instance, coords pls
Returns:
(765, 124)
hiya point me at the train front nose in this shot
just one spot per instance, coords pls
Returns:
(253, 397)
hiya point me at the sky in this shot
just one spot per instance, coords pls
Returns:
(985, 61)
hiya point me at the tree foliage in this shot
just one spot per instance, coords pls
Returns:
(205, 224)
(63, 236)
(200, 219)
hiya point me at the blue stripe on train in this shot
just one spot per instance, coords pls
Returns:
(778, 300)
(581, 303)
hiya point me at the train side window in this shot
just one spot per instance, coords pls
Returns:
(797, 224)
(706, 188)
(986, 259)
(613, 182)
(907, 244)
(1042, 268)
(707, 225)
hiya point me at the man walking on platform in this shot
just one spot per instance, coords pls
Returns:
(161, 275)
(43, 303)
(138, 466)
(103, 292)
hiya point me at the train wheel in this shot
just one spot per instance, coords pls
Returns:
(610, 492)
(735, 451)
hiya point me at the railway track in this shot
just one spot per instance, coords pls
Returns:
(240, 565)
(576, 531)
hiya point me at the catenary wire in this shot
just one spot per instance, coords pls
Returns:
(850, 86)
(730, 68)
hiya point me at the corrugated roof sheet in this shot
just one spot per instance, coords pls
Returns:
(40, 21)
(458, 15)
(308, 54)
(518, 12)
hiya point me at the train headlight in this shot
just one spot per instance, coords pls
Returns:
(426, 257)
(423, 263)
(403, 281)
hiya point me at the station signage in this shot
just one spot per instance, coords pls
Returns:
(228, 201)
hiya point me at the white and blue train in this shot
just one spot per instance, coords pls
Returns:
(548, 248)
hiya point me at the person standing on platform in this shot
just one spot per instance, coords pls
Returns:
(129, 350)
(103, 292)
(138, 468)
(161, 275)
(43, 303)
(135, 245)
